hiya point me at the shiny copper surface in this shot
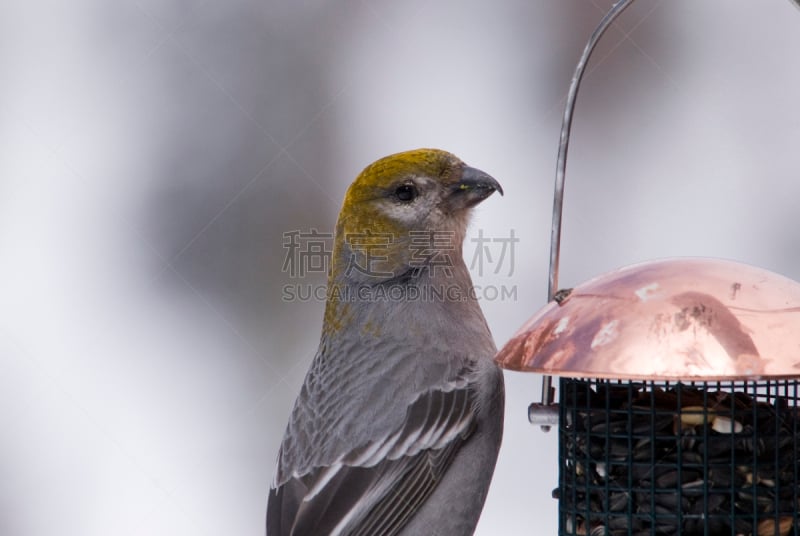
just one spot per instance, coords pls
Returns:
(693, 318)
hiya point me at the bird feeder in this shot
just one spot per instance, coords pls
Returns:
(678, 406)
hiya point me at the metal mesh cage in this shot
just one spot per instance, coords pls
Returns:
(678, 458)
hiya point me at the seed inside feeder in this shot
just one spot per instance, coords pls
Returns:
(643, 458)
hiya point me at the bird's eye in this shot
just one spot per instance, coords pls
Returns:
(406, 192)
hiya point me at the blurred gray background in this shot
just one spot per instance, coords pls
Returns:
(154, 152)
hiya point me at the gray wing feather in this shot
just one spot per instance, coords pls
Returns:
(390, 514)
(376, 488)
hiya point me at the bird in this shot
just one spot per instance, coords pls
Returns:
(399, 421)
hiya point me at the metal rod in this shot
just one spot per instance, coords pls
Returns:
(561, 167)
(548, 392)
(543, 415)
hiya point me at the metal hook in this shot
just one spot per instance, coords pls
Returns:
(548, 392)
(541, 413)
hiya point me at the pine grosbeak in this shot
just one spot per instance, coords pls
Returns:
(398, 424)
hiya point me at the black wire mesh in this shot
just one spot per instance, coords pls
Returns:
(654, 458)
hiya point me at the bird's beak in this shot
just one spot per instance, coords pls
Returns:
(474, 187)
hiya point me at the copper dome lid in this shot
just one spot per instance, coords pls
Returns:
(674, 319)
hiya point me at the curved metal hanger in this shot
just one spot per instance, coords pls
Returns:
(561, 166)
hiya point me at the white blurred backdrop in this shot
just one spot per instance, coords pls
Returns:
(154, 152)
